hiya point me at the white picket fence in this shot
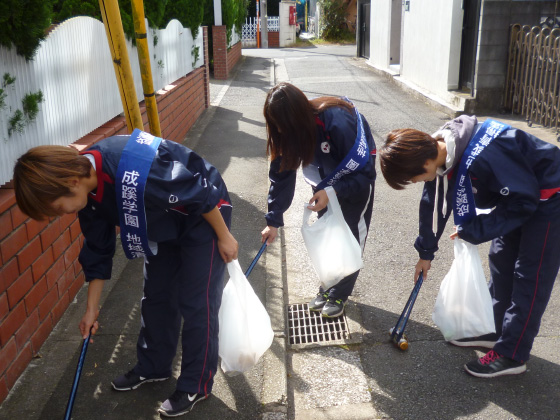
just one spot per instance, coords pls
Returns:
(74, 70)
(249, 30)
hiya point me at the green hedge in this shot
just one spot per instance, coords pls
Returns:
(23, 24)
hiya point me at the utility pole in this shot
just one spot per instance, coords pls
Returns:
(145, 66)
(258, 25)
(264, 24)
(111, 16)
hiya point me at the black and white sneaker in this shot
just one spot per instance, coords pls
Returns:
(180, 403)
(494, 364)
(317, 303)
(333, 308)
(131, 380)
(487, 341)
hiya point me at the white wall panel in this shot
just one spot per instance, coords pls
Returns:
(74, 70)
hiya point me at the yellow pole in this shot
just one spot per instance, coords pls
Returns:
(145, 67)
(305, 8)
(115, 36)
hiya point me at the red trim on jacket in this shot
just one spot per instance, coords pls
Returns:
(549, 192)
(102, 177)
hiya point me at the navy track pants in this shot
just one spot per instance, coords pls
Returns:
(357, 213)
(183, 283)
(523, 267)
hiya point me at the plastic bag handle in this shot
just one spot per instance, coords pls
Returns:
(333, 204)
(307, 212)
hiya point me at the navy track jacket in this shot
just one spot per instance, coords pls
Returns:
(514, 175)
(180, 187)
(337, 128)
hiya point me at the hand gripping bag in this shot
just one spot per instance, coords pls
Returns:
(464, 306)
(245, 331)
(332, 248)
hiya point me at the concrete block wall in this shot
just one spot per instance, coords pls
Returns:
(225, 58)
(39, 272)
(496, 17)
(287, 34)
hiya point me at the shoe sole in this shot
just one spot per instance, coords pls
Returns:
(316, 309)
(166, 414)
(513, 371)
(332, 315)
(485, 344)
(131, 388)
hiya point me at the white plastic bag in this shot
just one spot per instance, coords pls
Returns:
(333, 249)
(245, 330)
(464, 306)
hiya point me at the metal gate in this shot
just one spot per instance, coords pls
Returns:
(533, 77)
(364, 21)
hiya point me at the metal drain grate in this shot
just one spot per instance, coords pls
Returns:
(306, 327)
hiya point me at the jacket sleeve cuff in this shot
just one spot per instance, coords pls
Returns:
(274, 220)
(424, 254)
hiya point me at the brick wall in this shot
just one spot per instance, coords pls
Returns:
(273, 39)
(39, 271)
(224, 59)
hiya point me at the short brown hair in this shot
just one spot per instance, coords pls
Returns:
(42, 175)
(291, 126)
(404, 155)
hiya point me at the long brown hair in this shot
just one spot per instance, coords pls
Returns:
(291, 126)
(404, 155)
(42, 175)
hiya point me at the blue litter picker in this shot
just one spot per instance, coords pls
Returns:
(252, 265)
(397, 332)
(77, 376)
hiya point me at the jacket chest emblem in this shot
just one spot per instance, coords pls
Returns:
(325, 147)
(504, 191)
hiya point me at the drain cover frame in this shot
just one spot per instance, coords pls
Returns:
(309, 329)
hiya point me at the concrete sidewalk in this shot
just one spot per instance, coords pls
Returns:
(231, 135)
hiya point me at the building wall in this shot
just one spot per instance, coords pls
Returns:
(431, 44)
(496, 17)
(380, 28)
(39, 272)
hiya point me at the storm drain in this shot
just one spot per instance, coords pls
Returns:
(307, 327)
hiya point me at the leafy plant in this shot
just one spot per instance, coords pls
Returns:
(188, 12)
(23, 24)
(16, 123)
(65, 9)
(7, 80)
(20, 119)
(195, 54)
(234, 13)
(30, 104)
(333, 23)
